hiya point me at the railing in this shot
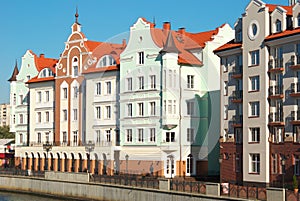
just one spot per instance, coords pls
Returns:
(291, 195)
(246, 192)
(19, 172)
(295, 115)
(188, 186)
(295, 60)
(276, 90)
(237, 95)
(276, 117)
(276, 63)
(237, 70)
(295, 88)
(237, 119)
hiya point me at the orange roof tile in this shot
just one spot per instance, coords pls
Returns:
(42, 62)
(272, 7)
(37, 79)
(92, 45)
(283, 34)
(227, 46)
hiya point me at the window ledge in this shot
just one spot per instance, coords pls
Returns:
(255, 65)
(253, 91)
(253, 142)
(254, 173)
(253, 117)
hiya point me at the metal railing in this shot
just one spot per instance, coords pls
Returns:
(237, 119)
(276, 90)
(276, 63)
(295, 115)
(295, 88)
(276, 117)
(237, 95)
(188, 186)
(237, 70)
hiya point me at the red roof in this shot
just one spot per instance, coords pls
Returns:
(37, 79)
(42, 62)
(229, 45)
(91, 45)
(283, 34)
(272, 7)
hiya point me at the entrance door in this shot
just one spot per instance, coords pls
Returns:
(170, 167)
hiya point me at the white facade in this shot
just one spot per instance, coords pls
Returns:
(4, 114)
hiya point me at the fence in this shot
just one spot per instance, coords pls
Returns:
(291, 195)
(19, 172)
(186, 186)
(246, 192)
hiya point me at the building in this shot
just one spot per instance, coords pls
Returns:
(4, 114)
(260, 73)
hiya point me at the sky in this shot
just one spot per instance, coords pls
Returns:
(43, 26)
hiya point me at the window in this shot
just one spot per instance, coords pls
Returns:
(169, 106)
(39, 138)
(170, 78)
(237, 162)
(174, 107)
(65, 115)
(170, 165)
(152, 134)
(39, 97)
(297, 165)
(98, 112)
(296, 133)
(28, 77)
(106, 60)
(74, 114)
(165, 79)
(98, 88)
(39, 117)
(189, 164)
(170, 136)
(47, 96)
(141, 82)
(140, 57)
(254, 135)
(129, 109)
(108, 87)
(47, 116)
(152, 108)
(165, 107)
(254, 58)
(108, 135)
(21, 138)
(190, 108)
(14, 99)
(278, 26)
(129, 135)
(190, 135)
(225, 88)
(21, 120)
(141, 109)
(254, 83)
(225, 112)
(75, 67)
(152, 81)
(75, 138)
(14, 119)
(65, 93)
(64, 137)
(141, 135)
(254, 109)
(190, 81)
(47, 136)
(175, 77)
(238, 135)
(98, 136)
(225, 64)
(274, 163)
(108, 112)
(75, 89)
(254, 163)
(129, 84)
(278, 134)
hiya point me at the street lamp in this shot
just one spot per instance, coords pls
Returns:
(47, 147)
(283, 171)
(89, 147)
(126, 157)
(220, 161)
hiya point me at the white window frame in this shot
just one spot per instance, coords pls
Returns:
(254, 83)
(254, 134)
(190, 81)
(254, 58)
(254, 160)
(254, 109)
(98, 88)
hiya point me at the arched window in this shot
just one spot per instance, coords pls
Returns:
(75, 67)
(46, 72)
(106, 60)
(189, 164)
(278, 26)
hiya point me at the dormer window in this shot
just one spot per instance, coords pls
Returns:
(106, 60)
(278, 26)
(75, 67)
(46, 72)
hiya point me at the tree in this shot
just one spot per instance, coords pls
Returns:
(5, 134)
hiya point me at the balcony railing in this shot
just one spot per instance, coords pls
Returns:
(237, 70)
(295, 60)
(276, 117)
(237, 119)
(295, 115)
(276, 90)
(276, 63)
(237, 95)
(295, 88)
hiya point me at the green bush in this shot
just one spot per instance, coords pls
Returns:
(295, 182)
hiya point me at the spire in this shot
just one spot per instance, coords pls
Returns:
(154, 21)
(14, 74)
(170, 46)
(76, 16)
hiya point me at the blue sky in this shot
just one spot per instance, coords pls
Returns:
(43, 26)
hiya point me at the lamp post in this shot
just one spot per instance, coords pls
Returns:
(47, 147)
(283, 171)
(220, 161)
(89, 147)
(126, 157)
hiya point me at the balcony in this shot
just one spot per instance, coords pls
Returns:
(295, 62)
(237, 121)
(237, 96)
(276, 92)
(295, 117)
(237, 72)
(295, 90)
(276, 65)
(276, 119)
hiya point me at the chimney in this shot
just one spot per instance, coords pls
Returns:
(181, 30)
(42, 55)
(167, 26)
(124, 42)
